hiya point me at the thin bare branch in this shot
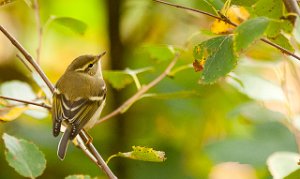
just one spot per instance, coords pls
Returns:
(142, 91)
(27, 102)
(283, 50)
(225, 19)
(28, 57)
(39, 29)
(24, 62)
(189, 9)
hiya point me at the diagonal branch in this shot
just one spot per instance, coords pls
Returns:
(142, 91)
(225, 19)
(92, 153)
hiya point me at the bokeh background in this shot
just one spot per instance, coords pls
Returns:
(203, 134)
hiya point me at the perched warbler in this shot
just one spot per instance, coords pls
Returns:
(78, 99)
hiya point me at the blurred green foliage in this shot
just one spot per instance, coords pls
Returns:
(198, 127)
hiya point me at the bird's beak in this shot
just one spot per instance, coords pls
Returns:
(98, 57)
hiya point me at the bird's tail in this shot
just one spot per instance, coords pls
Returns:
(63, 143)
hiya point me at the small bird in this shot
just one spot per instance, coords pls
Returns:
(78, 99)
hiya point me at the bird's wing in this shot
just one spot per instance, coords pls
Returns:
(57, 113)
(77, 113)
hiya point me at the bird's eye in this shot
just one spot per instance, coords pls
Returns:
(91, 65)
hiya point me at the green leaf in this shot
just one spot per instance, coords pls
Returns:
(141, 153)
(118, 79)
(281, 164)
(206, 6)
(217, 4)
(78, 177)
(248, 32)
(5, 2)
(269, 8)
(24, 156)
(74, 24)
(276, 27)
(243, 2)
(159, 52)
(282, 41)
(218, 56)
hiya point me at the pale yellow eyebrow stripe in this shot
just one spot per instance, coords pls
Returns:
(86, 65)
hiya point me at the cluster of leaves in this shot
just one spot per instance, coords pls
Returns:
(218, 56)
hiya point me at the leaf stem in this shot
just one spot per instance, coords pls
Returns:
(179, 69)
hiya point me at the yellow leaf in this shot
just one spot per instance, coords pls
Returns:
(236, 14)
(9, 114)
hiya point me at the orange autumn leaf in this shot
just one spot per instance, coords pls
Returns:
(236, 14)
(198, 64)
